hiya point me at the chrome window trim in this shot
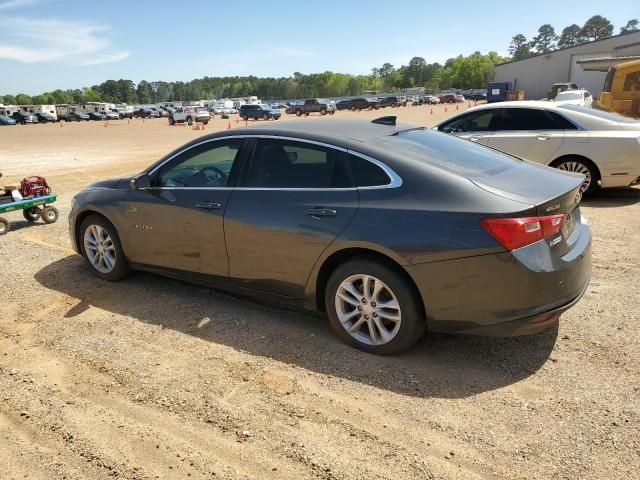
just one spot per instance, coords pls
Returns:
(394, 179)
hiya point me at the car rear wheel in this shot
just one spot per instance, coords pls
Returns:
(102, 249)
(171, 121)
(373, 307)
(579, 165)
(323, 111)
(190, 121)
(298, 113)
(265, 117)
(31, 214)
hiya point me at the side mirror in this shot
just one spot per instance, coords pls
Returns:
(140, 182)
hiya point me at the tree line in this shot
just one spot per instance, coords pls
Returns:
(471, 71)
(596, 28)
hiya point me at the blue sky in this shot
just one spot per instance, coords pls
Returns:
(49, 44)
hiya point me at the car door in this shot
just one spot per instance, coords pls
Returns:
(293, 199)
(177, 223)
(529, 133)
(475, 125)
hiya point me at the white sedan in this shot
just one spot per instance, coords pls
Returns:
(574, 97)
(603, 146)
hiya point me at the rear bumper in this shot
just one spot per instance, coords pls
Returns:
(509, 293)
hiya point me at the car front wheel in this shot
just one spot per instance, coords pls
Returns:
(102, 249)
(373, 307)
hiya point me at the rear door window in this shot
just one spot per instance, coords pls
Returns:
(291, 164)
(529, 119)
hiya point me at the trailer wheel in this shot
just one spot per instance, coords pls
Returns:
(31, 214)
(189, 121)
(4, 226)
(49, 214)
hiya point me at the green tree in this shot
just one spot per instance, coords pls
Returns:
(631, 26)
(417, 71)
(144, 92)
(597, 27)
(570, 36)
(546, 39)
(23, 99)
(519, 48)
(9, 100)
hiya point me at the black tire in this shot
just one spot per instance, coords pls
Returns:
(189, 121)
(5, 226)
(413, 324)
(31, 214)
(49, 214)
(121, 268)
(323, 111)
(570, 164)
(171, 121)
(298, 113)
(265, 117)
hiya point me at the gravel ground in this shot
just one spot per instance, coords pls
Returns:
(153, 378)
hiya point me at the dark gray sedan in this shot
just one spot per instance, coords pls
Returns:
(390, 230)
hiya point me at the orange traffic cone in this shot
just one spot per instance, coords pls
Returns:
(457, 106)
(237, 120)
(432, 111)
(61, 125)
(229, 126)
(106, 124)
(445, 108)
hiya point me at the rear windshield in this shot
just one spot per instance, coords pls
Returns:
(448, 152)
(594, 112)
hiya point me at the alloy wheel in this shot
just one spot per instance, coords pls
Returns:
(368, 309)
(99, 248)
(578, 167)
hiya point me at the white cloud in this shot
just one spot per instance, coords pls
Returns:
(40, 41)
(10, 4)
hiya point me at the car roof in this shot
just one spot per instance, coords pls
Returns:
(352, 130)
(518, 104)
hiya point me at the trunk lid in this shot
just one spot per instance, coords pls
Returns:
(547, 190)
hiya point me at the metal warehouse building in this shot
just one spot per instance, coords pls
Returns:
(535, 75)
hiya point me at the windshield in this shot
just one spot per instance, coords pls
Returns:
(609, 116)
(448, 152)
(569, 96)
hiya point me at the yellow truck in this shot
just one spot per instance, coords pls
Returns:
(621, 92)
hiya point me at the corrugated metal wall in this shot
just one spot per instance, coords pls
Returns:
(537, 74)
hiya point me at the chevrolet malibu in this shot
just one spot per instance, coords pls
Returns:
(389, 230)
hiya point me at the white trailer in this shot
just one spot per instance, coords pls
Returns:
(8, 110)
(50, 109)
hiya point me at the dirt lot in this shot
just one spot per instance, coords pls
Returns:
(152, 378)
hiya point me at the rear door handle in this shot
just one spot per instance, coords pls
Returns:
(543, 137)
(475, 138)
(318, 212)
(209, 205)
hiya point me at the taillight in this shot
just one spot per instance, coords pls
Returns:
(514, 233)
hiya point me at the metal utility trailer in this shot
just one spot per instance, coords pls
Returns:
(31, 209)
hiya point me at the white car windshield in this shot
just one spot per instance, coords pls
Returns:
(569, 96)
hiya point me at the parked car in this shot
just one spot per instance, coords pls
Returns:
(451, 98)
(111, 115)
(143, 112)
(98, 116)
(256, 112)
(476, 96)
(123, 112)
(574, 97)
(6, 120)
(44, 117)
(391, 101)
(24, 117)
(316, 105)
(189, 115)
(432, 99)
(77, 116)
(560, 87)
(602, 146)
(343, 105)
(372, 223)
(360, 104)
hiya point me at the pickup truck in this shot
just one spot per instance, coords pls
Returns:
(189, 115)
(314, 105)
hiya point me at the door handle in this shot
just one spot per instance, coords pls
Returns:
(475, 138)
(209, 205)
(318, 212)
(543, 137)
